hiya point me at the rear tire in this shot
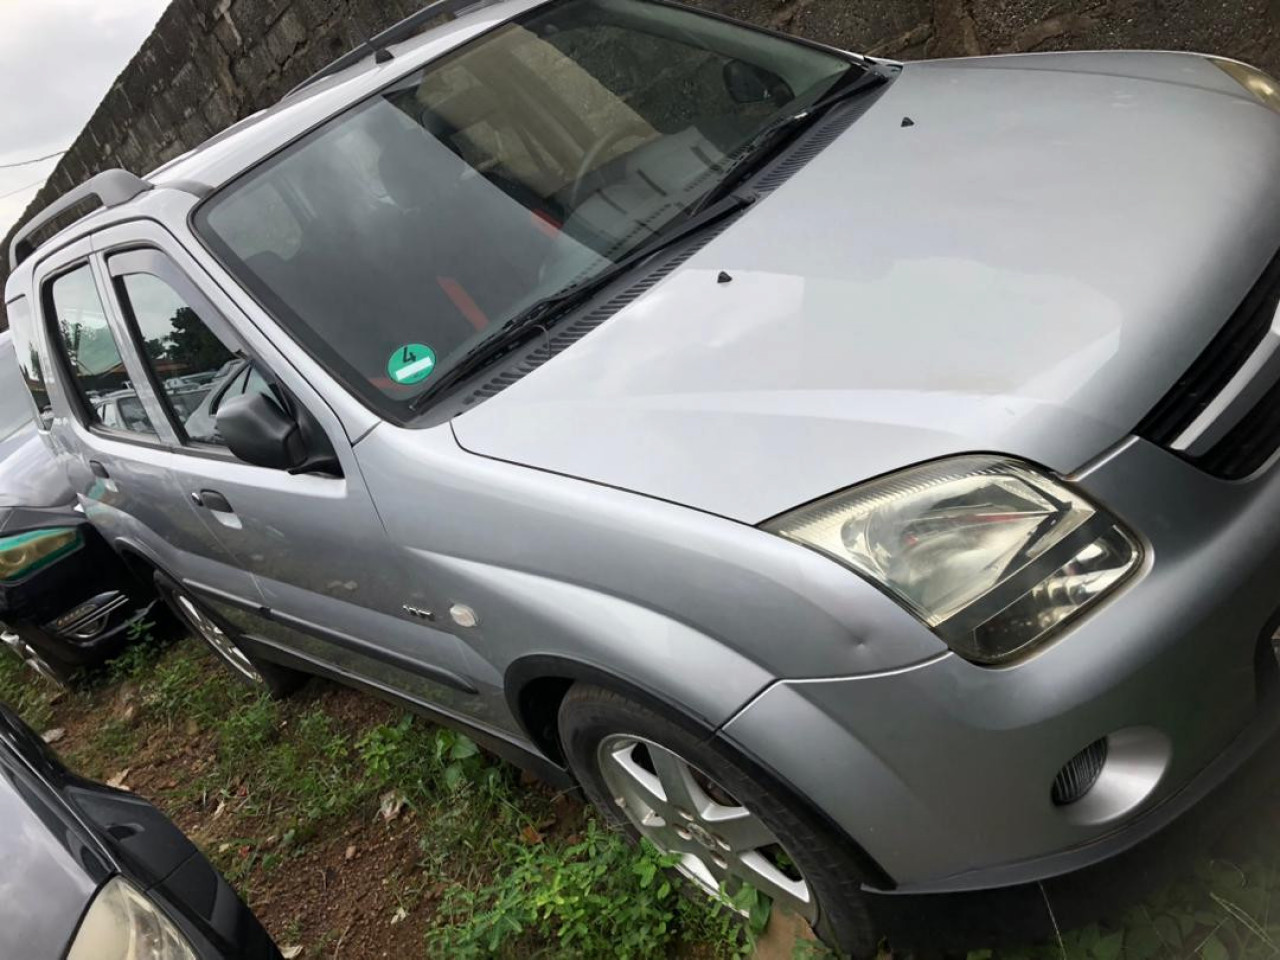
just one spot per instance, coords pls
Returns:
(727, 822)
(276, 681)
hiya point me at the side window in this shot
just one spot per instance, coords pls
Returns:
(29, 358)
(190, 364)
(91, 351)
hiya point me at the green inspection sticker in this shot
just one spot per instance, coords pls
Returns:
(411, 363)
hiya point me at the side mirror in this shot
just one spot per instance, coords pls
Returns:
(257, 430)
(747, 83)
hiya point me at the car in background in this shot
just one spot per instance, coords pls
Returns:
(195, 402)
(121, 410)
(94, 873)
(67, 601)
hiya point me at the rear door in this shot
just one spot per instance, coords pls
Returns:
(314, 544)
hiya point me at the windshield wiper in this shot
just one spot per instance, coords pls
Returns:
(761, 148)
(512, 333)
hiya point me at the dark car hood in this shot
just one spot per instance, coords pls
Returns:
(1026, 268)
(49, 869)
(29, 476)
(43, 889)
(61, 836)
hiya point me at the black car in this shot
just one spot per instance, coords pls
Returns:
(67, 601)
(87, 871)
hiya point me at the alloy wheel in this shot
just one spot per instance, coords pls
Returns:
(682, 811)
(217, 638)
(30, 657)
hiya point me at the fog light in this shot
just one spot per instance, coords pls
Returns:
(90, 618)
(1079, 774)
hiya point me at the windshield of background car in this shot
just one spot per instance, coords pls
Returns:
(15, 406)
(396, 237)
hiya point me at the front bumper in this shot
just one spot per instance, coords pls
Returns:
(942, 771)
(76, 612)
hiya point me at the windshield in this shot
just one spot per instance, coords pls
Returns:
(396, 237)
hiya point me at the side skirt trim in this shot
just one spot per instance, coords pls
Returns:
(519, 752)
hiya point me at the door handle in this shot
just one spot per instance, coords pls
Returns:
(98, 470)
(212, 500)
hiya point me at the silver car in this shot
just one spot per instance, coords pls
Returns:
(859, 477)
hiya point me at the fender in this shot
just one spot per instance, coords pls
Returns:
(525, 615)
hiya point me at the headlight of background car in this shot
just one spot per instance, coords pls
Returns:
(122, 924)
(1252, 79)
(989, 552)
(24, 553)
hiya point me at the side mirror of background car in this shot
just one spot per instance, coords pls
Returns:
(257, 430)
(747, 83)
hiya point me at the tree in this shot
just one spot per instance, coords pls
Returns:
(191, 344)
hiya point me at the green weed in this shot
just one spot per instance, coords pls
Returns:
(141, 654)
(597, 896)
(24, 692)
(190, 686)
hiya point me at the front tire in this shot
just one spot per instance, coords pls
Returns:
(274, 680)
(59, 675)
(697, 798)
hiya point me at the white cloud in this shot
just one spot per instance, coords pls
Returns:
(58, 58)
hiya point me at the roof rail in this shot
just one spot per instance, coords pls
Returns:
(376, 45)
(111, 188)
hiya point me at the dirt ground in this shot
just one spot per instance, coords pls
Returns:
(339, 882)
(357, 882)
(359, 885)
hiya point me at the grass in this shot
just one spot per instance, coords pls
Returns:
(1224, 911)
(594, 896)
(265, 781)
(21, 692)
(499, 869)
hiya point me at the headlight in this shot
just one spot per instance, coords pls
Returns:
(122, 924)
(26, 553)
(1252, 79)
(989, 552)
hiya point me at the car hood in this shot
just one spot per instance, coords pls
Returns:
(43, 889)
(29, 476)
(1014, 254)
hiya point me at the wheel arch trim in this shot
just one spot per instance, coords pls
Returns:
(534, 673)
(133, 553)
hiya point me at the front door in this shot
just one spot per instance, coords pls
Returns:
(313, 543)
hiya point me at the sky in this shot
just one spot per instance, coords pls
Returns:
(58, 58)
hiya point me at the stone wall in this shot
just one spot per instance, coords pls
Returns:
(207, 64)
(210, 62)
